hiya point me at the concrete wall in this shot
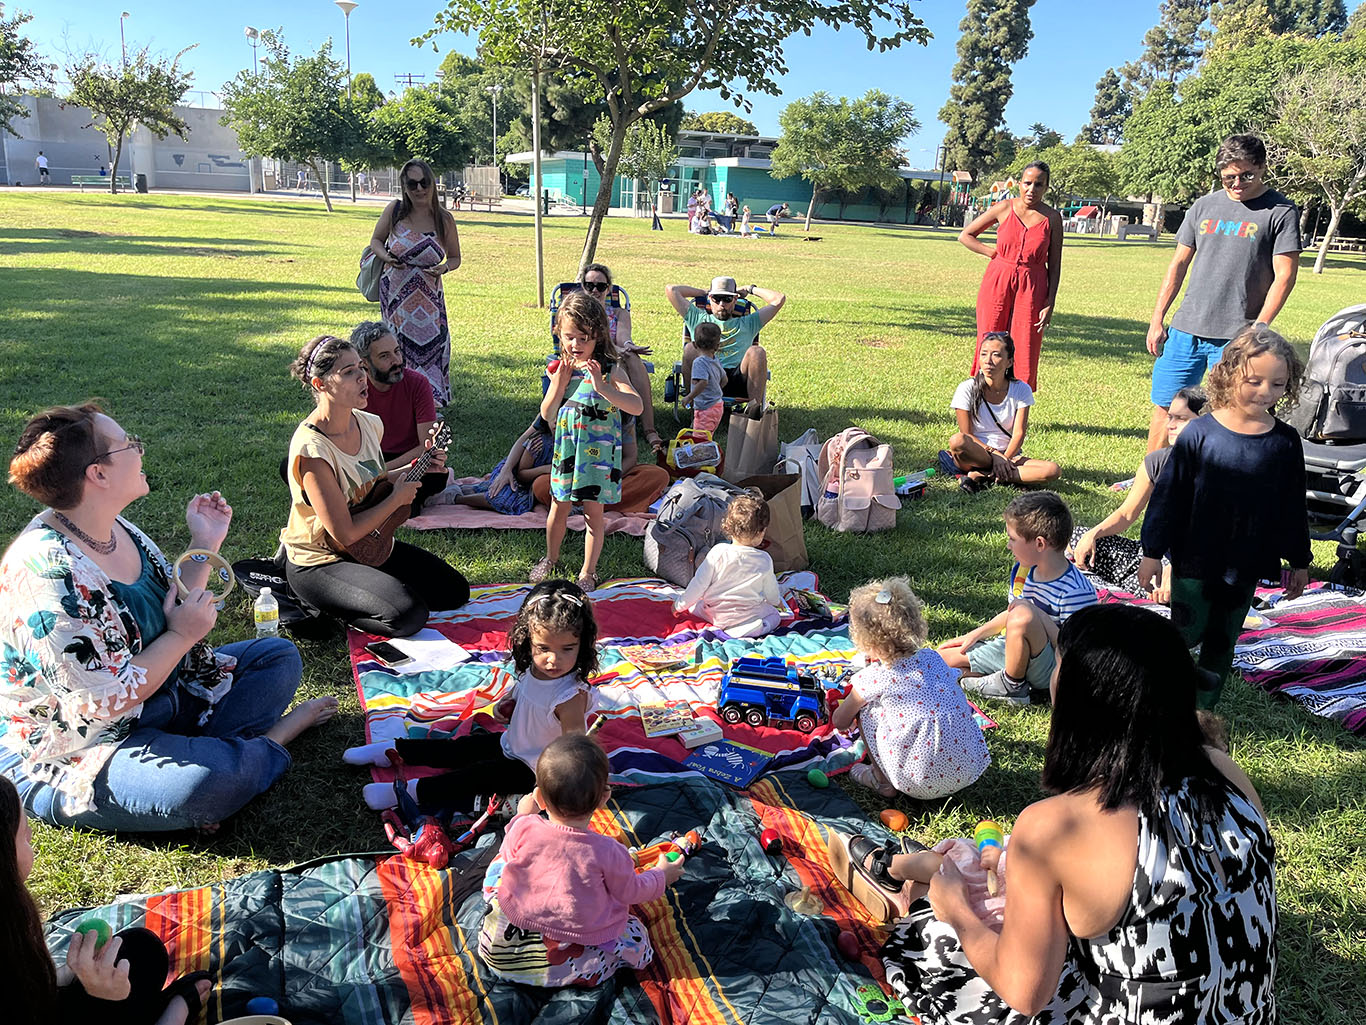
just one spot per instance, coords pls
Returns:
(208, 158)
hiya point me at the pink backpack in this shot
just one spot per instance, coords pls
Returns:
(857, 493)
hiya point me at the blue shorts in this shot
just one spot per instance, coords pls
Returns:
(1183, 363)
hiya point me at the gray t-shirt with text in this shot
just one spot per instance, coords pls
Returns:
(1232, 271)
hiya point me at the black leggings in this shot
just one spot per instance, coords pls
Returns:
(148, 963)
(393, 599)
(480, 769)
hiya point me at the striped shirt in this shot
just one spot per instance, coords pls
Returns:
(1059, 598)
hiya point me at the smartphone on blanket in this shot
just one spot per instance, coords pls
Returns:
(388, 653)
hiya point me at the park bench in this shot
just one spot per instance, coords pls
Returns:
(1138, 231)
(100, 179)
(1342, 244)
(474, 199)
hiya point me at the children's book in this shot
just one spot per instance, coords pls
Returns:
(658, 656)
(813, 604)
(703, 731)
(736, 764)
(663, 720)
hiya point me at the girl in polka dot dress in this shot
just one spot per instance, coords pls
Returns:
(922, 737)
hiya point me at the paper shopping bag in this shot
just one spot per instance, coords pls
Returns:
(785, 542)
(751, 445)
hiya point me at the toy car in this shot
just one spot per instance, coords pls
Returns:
(766, 690)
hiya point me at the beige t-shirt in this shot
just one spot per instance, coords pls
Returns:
(303, 534)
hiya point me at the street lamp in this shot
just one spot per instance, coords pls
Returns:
(941, 154)
(493, 91)
(254, 38)
(123, 43)
(347, 6)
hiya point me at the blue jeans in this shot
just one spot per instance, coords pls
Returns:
(173, 774)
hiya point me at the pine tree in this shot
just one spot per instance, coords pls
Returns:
(1109, 112)
(995, 34)
(1171, 48)
(1307, 17)
(1356, 24)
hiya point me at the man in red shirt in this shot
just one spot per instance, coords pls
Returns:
(403, 401)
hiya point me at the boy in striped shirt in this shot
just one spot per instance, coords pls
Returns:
(1013, 653)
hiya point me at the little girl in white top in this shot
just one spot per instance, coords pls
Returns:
(922, 737)
(554, 650)
(735, 588)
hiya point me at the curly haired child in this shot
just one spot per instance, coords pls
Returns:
(554, 650)
(922, 737)
(559, 895)
(735, 588)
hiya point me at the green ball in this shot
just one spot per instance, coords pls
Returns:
(103, 933)
(673, 856)
(818, 779)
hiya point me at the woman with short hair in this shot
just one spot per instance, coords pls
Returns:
(119, 715)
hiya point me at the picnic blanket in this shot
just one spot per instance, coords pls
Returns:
(1311, 650)
(378, 940)
(463, 517)
(629, 612)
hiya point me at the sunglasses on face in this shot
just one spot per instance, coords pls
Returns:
(722, 298)
(1247, 178)
(596, 286)
(417, 183)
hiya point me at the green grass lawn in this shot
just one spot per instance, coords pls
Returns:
(184, 313)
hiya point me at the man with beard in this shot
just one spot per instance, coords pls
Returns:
(402, 401)
(741, 356)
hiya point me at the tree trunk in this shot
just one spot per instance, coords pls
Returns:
(114, 171)
(815, 191)
(1333, 218)
(604, 197)
(1304, 219)
(322, 182)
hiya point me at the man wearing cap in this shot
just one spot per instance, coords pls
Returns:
(744, 360)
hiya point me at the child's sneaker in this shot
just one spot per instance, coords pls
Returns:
(998, 685)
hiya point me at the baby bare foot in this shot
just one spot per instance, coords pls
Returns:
(301, 717)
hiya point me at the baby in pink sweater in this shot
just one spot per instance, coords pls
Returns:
(559, 894)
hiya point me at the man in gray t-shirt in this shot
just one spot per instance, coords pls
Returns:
(1244, 240)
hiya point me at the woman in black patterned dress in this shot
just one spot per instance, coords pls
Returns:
(1144, 891)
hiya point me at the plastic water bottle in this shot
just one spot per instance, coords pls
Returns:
(267, 614)
(913, 484)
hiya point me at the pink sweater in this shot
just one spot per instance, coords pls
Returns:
(570, 885)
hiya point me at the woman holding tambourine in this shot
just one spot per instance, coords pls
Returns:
(116, 714)
(340, 500)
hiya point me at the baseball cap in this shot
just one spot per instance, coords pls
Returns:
(723, 286)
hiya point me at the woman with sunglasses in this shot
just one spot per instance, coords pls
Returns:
(118, 716)
(1021, 282)
(418, 243)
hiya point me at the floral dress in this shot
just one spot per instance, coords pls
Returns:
(586, 466)
(414, 305)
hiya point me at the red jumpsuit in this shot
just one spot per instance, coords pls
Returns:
(1014, 290)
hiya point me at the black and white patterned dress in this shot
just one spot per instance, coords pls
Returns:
(1197, 943)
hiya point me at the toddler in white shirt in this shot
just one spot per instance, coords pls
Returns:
(734, 588)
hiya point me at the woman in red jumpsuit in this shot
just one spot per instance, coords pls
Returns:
(1021, 282)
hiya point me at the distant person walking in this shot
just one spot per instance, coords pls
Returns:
(1248, 240)
(1021, 283)
(43, 176)
(301, 181)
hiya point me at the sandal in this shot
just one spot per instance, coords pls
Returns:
(865, 775)
(862, 867)
(587, 583)
(541, 570)
(187, 988)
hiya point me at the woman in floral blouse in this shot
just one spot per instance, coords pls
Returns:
(114, 713)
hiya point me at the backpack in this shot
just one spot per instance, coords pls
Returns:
(857, 493)
(296, 615)
(687, 525)
(802, 457)
(1332, 403)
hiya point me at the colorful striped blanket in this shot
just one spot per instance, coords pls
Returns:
(629, 612)
(366, 941)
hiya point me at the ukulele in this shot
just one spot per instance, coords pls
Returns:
(375, 547)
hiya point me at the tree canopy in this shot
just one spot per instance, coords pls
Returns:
(723, 122)
(1108, 114)
(424, 124)
(844, 144)
(19, 63)
(142, 91)
(1171, 48)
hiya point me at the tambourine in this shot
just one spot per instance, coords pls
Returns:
(218, 568)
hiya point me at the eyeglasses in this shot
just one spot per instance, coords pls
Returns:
(596, 286)
(417, 183)
(134, 442)
(1247, 178)
(721, 298)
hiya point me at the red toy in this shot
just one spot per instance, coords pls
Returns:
(847, 943)
(770, 841)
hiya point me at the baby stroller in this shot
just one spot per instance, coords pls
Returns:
(1331, 418)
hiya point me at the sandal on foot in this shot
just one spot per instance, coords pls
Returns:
(541, 570)
(864, 775)
(187, 988)
(587, 583)
(862, 867)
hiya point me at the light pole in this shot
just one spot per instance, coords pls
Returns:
(254, 38)
(493, 91)
(347, 7)
(123, 43)
(941, 154)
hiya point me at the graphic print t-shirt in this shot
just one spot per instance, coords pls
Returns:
(1232, 271)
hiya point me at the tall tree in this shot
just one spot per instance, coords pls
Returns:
(1319, 139)
(995, 35)
(1356, 24)
(1308, 17)
(1108, 114)
(424, 124)
(366, 95)
(723, 122)
(1237, 23)
(1041, 136)
(143, 91)
(639, 58)
(843, 144)
(295, 109)
(1171, 48)
(19, 63)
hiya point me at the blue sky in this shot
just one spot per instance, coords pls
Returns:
(1073, 45)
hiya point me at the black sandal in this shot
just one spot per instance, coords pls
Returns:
(876, 862)
(187, 988)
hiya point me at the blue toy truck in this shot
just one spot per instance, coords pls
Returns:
(767, 690)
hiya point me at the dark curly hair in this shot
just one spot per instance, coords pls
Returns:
(558, 606)
(31, 974)
(1249, 343)
(590, 317)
